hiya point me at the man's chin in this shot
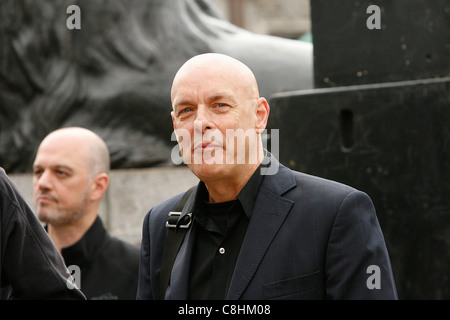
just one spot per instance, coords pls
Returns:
(48, 217)
(44, 218)
(207, 171)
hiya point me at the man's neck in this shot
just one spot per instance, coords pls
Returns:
(228, 189)
(64, 236)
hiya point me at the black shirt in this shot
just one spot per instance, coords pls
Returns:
(219, 230)
(108, 265)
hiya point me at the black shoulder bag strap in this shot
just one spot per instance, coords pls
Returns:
(176, 230)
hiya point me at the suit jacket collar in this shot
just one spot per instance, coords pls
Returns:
(269, 213)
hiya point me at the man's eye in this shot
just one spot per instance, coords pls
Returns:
(62, 173)
(221, 105)
(184, 111)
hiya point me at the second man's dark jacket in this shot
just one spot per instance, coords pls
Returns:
(108, 266)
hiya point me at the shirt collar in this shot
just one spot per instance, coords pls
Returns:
(87, 247)
(247, 196)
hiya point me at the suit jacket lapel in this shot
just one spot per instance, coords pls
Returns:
(268, 215)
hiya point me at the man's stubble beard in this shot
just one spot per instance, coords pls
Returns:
(59, 217)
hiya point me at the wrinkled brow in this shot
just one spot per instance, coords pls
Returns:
(226, 97)
(222, 97)
(55, 167)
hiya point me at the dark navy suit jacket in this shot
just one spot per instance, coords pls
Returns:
(307, 238)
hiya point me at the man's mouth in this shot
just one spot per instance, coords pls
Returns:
(46, 199)
(204, 145)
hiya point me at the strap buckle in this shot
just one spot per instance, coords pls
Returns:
(174, 221)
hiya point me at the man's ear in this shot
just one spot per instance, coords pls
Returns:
(262, 114)
(172, 113)
(99, 186)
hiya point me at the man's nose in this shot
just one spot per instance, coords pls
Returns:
(202, 120)
(44, 181)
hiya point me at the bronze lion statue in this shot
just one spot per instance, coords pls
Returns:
(114, 74)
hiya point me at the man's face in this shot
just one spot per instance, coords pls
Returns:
(214, 112)
(61, 182)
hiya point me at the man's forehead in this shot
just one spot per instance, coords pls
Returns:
(56, 153)
(214, 61)
(207, 94)
(210, 75)
(52, 158)
(52, 161)
(214, 80)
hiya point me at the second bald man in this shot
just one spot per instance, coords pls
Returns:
(70, 177)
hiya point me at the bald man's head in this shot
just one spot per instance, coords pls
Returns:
(215, 98)
(85, 143)
(216, 66)
(70, 177)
